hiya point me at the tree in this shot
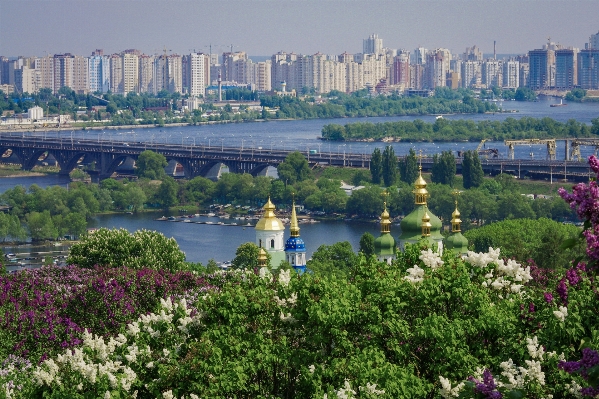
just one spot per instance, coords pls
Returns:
(116, 248)
(444, 168)
(246, 256)
(199, 189)
(376, 166)
(41, 226)
(337, 259)
(367, 244)
(294, 168)
(365, 202)
(150, 165)
(389, 166)
(409, 167)
(472, 170)
(167, 193)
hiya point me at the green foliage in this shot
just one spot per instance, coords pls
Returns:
(115, 248)
(150, 165)
(366, 202)
(333, 260)
(525, 94)
(576, 95)
(246, 256)
(524, 239)
(294, 168)
(444, 168)
(389, 166)
(167, 192)
(408, 167)
(376, 166)
(461, 129)
(472, 170)
(367, 244)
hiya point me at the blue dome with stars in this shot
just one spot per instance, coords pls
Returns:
(295, 244)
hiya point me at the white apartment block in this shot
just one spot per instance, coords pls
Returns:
(98, 67)
(198, 74)
(63, 71)
(372, 45)
(492, 73)
(80, 75)
(130, 73)
(511, 74)
(354, 77)
(146, 74)
(435, 70)
(261, 75)
(374, 69)
(175, 73)
(116, 74)
(471, 74)
(45, 66)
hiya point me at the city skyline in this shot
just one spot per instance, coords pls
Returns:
(263, 27)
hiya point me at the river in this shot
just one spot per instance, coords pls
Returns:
(202, 242)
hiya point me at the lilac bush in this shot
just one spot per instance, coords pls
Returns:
(46, 310)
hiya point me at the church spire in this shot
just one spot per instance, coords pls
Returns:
(294, 226)
(426, 225)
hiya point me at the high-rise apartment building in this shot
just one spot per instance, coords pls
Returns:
(594, 42)
(511, 74)
(492, 73)
(45, 66)
(80, 75)
(588, 69)
(130, 73)
(420, 56)
(565, 69)
(198, 78)
(435, 69)
(260, 75)
(372, 45)
(471, 74)
(473, 54)
(4, 70)
(98, 67)
(160, 74)
(63, 71)
(401, 69)
(116, 74)
(175, 73)
(354, 77)
(146, 73)
(541, 63)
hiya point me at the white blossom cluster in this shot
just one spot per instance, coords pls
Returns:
(346, 392)
(508, 276)
(512, 376)
(447, 391)
(431, 259)
(98, 360)
(561, 314)
(169, 395)
(415, 275)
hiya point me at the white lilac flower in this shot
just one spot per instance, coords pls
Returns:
(346, 392)
(447, 391)
(265, 273)
(284, 277)
(561, 314)
(415, 275)
(534, 349)
(312, 368)
(431, 259)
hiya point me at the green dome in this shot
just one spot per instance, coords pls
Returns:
(411, 225)
(384, 245)
(457, 242)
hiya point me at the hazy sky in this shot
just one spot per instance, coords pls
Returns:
(263, 27)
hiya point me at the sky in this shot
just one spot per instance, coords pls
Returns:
(264, 27)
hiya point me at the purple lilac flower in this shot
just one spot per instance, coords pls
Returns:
(531, 307)
(562, 291)
(487, 387)
(573, 277)
(548, 297)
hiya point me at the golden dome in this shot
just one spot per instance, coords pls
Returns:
(420, 191)
(269, 222)
(262, 258)
(385, 222)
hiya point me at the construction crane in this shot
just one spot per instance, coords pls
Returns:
(551, 146)
(575, 152)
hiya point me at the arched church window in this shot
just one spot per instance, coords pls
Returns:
(272, 243)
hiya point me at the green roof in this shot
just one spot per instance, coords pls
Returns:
(457, 242)
(384, 245)
(411, 225)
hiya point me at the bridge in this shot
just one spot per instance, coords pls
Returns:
(198, 160)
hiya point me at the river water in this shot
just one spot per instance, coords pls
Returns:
(202, 242)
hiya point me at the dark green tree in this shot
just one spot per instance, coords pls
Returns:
(337, 259)
(167, 193)
(472, 170)
(376, 166)
(390, 171)
(444, 168)
(409, 167)
(246, 256)
(367, 244)
(294, 168)
(150, 165)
